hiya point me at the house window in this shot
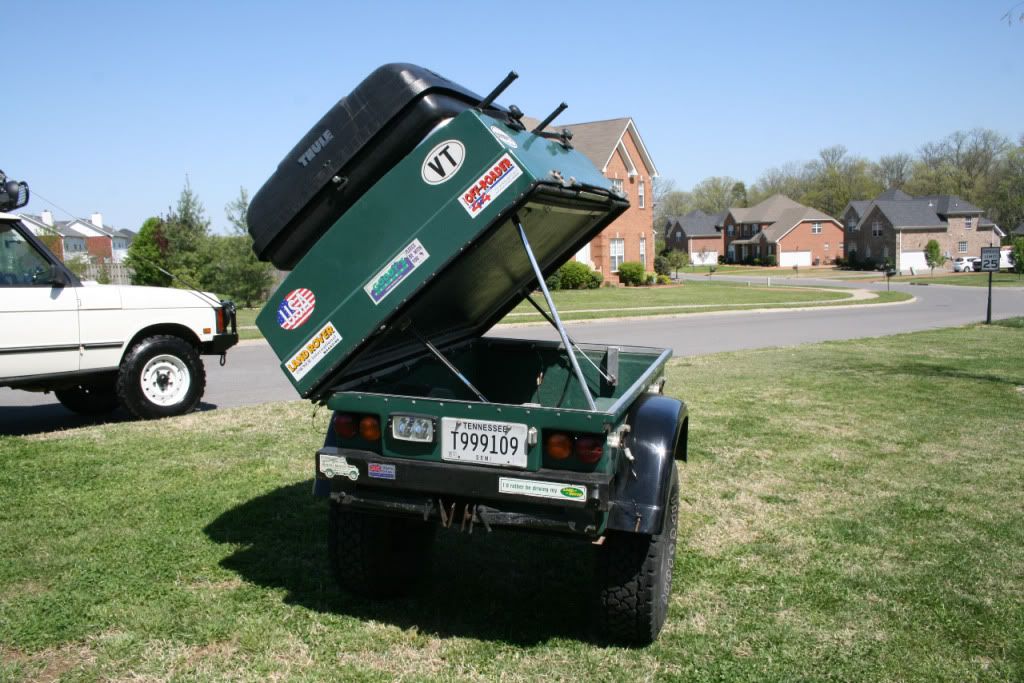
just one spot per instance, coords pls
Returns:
(617, 184)
(815, 228)
(679, 234)
(876, 228)
(618, 248)
(885, 251)
(643, 250)
(968, 223)
(867, 251)
(826, 246)
(962, 247)
(851, 224)
(730, 230)
(841, 245)
(640, 196)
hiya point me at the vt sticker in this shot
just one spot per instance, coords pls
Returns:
(443, 162)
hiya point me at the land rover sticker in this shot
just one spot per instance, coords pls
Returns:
(503, 137)
(295, 308)
(542, 489)
(337, 466)
(400, 267)
(313, 351)
(490, 185)
(442, 162)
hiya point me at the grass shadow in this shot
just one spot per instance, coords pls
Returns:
(514, 588)
(54, 417)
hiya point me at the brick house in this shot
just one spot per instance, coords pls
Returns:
(784, 231)
(698, 234)
(896, 227)
(617, 150)
(80, 239)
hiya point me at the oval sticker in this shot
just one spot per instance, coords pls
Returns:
(571, 492)
(295, 308)
(442, 162)
(503, 137)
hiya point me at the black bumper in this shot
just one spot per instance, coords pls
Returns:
(442, 491)
(220, 343)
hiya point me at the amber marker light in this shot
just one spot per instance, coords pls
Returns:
(558, 446)
(369, 428)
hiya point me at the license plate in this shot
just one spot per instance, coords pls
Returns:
(483, 442)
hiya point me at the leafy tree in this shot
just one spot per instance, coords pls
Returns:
(1005, 195)
(148, 250)
(1017, 256)
(714, 194)
(186, 228)
(933, 255)
(678, 259)
(231, 267)
(738, 195)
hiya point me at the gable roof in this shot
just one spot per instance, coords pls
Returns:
(1019, 230)
(859, 206)
(695, 224)
(767, 211)
(916, 213)
(600, 140)
(893, 194)
(790, 218)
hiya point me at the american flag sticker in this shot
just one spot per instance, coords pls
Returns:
(295, 309)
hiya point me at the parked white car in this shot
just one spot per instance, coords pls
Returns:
(962, 264)
(98, 346)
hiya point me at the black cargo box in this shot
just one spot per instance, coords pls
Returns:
(359, 140)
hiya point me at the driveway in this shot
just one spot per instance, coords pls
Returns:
(252, 376)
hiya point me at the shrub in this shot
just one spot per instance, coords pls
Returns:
(721, 259)
(576, 275)
(553, 281)
(650, 279)
(661, 266)
(664, 279)
(756, 261)
(631, 273)
(840, 262)
(769, 260)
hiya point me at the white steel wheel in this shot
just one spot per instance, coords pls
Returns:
(165, 380)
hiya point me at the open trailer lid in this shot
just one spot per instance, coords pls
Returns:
(434, 253)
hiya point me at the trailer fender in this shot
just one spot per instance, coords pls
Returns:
(656, 439)
(322, 487)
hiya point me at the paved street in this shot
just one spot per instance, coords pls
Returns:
(252, 376)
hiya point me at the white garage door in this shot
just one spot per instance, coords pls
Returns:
(794, 258)
(705, 259)
(913, 259)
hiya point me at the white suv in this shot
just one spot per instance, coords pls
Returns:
(97, 346)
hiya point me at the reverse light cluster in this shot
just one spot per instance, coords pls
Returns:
(412, 428)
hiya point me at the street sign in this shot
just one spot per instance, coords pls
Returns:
(990, 259)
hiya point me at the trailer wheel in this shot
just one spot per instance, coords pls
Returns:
(376, 555)
(635, 575)
(88, 399)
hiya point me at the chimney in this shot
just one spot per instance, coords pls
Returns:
(46, 217)
(97, 219)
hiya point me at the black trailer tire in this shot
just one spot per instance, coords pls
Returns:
(635, 575)
(161, 376)
(88, 399)
(378, 556)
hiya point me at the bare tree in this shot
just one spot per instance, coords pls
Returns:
(893, 170)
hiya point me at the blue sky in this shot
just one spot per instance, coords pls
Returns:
(111, 104)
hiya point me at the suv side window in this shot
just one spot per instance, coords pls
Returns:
(20, 262)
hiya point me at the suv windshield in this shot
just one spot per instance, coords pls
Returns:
(20, 262)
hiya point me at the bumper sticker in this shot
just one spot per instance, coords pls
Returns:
(401, 267)
(380, 470)
(337, 466)
(486, 189)
(295, 308)
(313, 351)
(543, 489)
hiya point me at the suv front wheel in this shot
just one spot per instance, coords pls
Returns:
(161, 376)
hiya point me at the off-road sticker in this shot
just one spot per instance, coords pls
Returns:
(486, 189)
(313, 351)
(442, 162)
(295, 308)
(337, 466)
(543, 489)
(503, 137)
(401, 267)
(380, 470)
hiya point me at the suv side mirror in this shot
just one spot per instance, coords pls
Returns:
(52, 275)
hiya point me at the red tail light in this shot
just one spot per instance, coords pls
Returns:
(345, 425)
(588, 449)
(220, 320)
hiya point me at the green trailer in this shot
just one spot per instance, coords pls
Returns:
(436, 426)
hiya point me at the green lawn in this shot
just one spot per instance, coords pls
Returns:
(968, 279)
(851, 511)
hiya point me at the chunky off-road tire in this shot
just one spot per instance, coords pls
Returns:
(635, 578)
(88, 399)
(161, 376)
(376, 555)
